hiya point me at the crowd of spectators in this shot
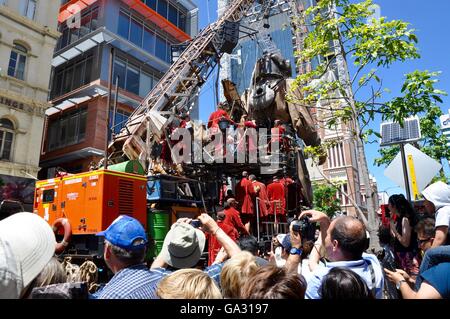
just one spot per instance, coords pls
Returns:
(414, 262)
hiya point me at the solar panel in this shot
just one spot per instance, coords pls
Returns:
(393, 133)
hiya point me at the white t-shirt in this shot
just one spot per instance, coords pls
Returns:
(443, 217)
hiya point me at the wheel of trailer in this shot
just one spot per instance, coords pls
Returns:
(303, 176)
(65, 225)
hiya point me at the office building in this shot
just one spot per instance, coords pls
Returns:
(141, 33)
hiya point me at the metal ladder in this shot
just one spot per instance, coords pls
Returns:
(173, 91)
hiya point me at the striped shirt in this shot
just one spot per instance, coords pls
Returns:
(129, 283)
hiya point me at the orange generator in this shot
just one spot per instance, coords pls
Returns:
(91, 201)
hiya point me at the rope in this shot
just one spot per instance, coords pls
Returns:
(72, 270)
(87, 272)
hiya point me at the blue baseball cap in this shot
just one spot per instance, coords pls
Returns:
(124, 232)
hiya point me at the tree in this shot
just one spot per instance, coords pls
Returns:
(342, 34)
(325, 199)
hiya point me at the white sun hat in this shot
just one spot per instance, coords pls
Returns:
(28, 239)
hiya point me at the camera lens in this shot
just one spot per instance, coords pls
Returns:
(195, 223)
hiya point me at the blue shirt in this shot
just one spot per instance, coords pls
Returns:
(212, 271)
(439, 277)
(129, 283)
(361, 267)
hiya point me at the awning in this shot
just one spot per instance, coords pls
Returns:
(82, 47)
(87, 94)
(103, 35)
(67, 104)
(72, 156)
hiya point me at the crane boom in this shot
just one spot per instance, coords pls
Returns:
(172, 93)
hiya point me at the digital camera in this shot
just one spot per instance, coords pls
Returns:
(196, 223)
(265, 247)
(303, 226)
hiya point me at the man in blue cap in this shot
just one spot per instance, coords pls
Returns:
(124, 252)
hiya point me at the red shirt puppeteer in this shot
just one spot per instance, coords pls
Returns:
(214, 245)
(275, 192)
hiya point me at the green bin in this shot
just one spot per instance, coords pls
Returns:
(158, 222)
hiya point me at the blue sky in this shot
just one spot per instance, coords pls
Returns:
(432, 23)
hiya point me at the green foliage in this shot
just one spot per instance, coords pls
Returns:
(325, 199)
(340, 32)
(418, 97)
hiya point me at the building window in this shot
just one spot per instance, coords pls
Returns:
(124, 25)
(181, 21)
(149, 41)
(173, 15)
(132, 78)
(28, 8)
(120, 70)
(336, 156)
(151, 3)
(344, 200)
(132, 83)
(170, 11)
(119, 121)
(17, 61)
(137, 32)
(145, 84)
(67, 130)
(6, 138)
(162, 8)
(72, 76)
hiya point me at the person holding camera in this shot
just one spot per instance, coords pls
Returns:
(344, 240)
(183, 247)
(214, 245)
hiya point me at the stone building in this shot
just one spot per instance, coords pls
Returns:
(28, 35)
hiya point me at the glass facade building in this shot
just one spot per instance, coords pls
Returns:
(248, 51)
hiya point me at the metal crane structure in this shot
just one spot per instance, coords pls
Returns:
(174, 91)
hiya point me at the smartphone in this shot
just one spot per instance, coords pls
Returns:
(390, 266)
(196, 223)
